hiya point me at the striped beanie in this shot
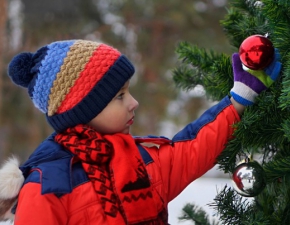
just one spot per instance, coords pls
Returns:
(71, 81)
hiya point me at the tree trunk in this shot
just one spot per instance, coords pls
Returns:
(3, 19)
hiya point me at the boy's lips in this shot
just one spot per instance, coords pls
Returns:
(131, 121)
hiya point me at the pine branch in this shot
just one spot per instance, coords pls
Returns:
(258, 132)
(234, 209)
(278, 20)
(231, 208)
(284, 99)
(273, 203)
(277, 169)
(199, 67)
(286, 128)
(196, 214)
(243, 19)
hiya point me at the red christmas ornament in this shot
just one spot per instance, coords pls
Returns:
(256, 52)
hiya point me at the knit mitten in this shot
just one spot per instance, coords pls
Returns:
(248, 84)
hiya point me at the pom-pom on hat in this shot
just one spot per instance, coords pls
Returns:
(71, 81)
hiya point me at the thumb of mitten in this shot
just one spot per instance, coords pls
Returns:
(274, 69)
(270, 73)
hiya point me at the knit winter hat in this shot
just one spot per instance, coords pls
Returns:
(71, 81)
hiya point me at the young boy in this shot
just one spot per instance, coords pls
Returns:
(92, 170)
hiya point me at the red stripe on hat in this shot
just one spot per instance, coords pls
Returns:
(100, 62)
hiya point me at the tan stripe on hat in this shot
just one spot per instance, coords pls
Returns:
(75, 62)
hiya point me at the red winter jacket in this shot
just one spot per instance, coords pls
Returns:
(56, 194)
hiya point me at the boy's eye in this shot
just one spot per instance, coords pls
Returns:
(120, 96)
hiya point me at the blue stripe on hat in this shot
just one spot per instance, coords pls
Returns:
(52, 62)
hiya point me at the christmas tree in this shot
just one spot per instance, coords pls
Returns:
(262, 137)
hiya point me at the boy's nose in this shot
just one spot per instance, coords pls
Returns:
(134, 104)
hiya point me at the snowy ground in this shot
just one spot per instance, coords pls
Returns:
(5, 223)
(201, 193)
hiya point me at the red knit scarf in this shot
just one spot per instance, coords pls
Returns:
(118, 174)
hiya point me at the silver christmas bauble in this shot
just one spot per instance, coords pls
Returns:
(249, 179)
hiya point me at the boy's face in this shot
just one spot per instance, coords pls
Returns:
(118, 115)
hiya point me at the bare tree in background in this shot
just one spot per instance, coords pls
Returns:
(3, 19)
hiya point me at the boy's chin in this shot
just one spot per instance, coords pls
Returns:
(126, 131)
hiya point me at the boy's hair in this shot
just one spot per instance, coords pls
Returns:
(71, 81)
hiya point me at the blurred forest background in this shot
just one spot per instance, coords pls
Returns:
(147, 31)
